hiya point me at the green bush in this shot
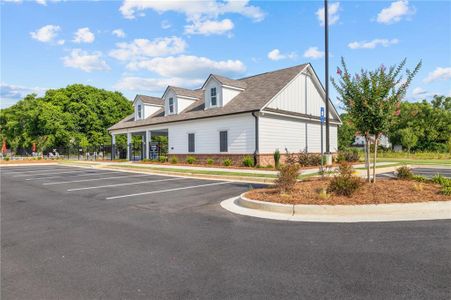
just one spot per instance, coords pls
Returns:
(210, 161)
(6, 158)
(345, 183)
(191, 160)
(419, 178)
(174, 160)
(269, 166)
(163, 159)
(287, 178)
(442, 180)
(309, 159)
(248, 161)
(446, 190)
(277, 158)
(404, 172)
(227, 162)
(348, 156)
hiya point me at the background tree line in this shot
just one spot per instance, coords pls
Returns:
(420, 126)
(77, 115)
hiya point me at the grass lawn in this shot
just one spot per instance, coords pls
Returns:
(440, 162)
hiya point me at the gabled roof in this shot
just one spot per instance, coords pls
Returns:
(197, 94)
(260, 89)
(227, 81)
(150, 100)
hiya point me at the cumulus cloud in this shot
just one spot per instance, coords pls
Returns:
(209, 27)
(418, 91)
(118, 33)
(143, 48)
(438, 74)
(395, 12)
(155, 84)
(275, 54)
(46, 34)
(10, 94)
(188, 66)
(84, 35)
(313, 53)
(85, 61)
(202, 16)
(372, 44)
(333, 10)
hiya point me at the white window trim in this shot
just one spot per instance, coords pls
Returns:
(169, 106)
(188, 133)
(228, 144)
(216, 96)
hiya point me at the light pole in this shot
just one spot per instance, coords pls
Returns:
(326, 58)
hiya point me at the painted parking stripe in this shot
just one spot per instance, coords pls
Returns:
(51, 173)
(168, 190)
(122, 184)
(78, 175)
(33, 171)
(96, 179)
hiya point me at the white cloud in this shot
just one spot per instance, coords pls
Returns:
(395, 12)
(60, 42)
(333, 9)
(44, 2)
(142, 48)
(209, 27)
(118, 33)
(10, 94)
(418, 91)
(439, 74)
(188, 66)
(313, 53)
(46, 33)
(83, 35)
(275, 54)
(165, 24)
(155, 84)
(372, 44)
(85, 61)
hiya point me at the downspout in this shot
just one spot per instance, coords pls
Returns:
(256, 138)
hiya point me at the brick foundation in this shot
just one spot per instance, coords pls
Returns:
(237, 159)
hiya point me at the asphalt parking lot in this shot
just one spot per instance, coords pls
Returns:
(76, 233)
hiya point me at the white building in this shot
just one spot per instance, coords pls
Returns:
(228, 118)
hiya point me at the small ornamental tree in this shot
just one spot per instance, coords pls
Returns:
(408, 138)
(372, 99)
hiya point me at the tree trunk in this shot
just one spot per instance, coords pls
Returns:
(367, 157)
(376, 138)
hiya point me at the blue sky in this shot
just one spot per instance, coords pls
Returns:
(141, 47)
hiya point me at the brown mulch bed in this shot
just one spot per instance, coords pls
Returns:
(383, 191)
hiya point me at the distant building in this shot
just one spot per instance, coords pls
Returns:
(383, 141)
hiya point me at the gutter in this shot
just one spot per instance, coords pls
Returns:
(256, 138)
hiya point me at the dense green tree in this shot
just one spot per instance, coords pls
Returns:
(372, 99)
(74, 115)
(408, 138)
(346, 132)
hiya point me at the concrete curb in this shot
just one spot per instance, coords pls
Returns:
(433, 210)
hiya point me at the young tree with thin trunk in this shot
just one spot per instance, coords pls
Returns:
(372, 99)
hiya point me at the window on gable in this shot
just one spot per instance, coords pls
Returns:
(171, 105)
(223, 143)
(191, 142)
(139, 111)
(214, 98)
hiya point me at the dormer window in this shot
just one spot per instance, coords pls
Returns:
(139, 111)
(214, 99)
(171, 105)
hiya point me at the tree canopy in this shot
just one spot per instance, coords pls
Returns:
(75, 115)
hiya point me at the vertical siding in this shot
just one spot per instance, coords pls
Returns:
(241, 134)
(280, 133)
(292, 97)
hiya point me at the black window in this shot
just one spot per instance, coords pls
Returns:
(191, 139)
(223, 141)
(214, 101)
(139, 111)
(171, 105)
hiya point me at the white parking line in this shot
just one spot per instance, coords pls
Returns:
(168, 190)
(122, 184)
(65, 172)
(33, 171)
(79, 175)
(95, 179)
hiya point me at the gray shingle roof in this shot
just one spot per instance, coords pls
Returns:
(259, 90)
(230, 82)
(151, 100)
(198, 94)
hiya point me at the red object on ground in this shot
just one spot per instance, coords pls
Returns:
(4, 146)
(33, 148)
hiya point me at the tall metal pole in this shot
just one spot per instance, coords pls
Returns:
(326, 57)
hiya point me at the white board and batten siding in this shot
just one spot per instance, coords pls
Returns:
(240, 128)
(295, 135)
(295, 98)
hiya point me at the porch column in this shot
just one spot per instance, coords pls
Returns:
(113, 146)
(148, 139)
(129, 143)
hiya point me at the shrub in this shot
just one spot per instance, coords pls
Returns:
(440, 179)
(309, 159)
(419, 178)
(210, 161)
(227, 162)
(404, 172)
(174, 160)
(277, 158)
(345, 183)
(269, 166)
(287, 178)
(6, 158)
(418, 187)
(163, 159)
(348, 155)
(446, 190)
(191, 160)
(248, 161)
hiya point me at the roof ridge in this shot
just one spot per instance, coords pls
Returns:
(279, 70)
